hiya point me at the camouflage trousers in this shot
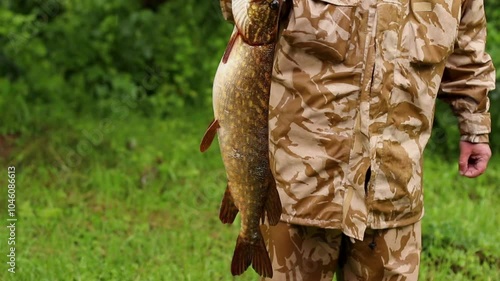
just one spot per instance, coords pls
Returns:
(316, 254)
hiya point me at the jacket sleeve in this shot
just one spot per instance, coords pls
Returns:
(227, 10)
(469, 75)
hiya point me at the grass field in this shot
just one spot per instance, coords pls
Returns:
(133, 199)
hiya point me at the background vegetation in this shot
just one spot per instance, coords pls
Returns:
(102, 105)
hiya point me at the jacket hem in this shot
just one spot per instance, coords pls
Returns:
(337, 224)
(328, 224)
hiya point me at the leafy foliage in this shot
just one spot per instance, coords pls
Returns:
(94, 56)
(492, 9)
(64, 57)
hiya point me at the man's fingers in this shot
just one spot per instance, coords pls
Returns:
(472, 173)
(473, 159)
(477, 168)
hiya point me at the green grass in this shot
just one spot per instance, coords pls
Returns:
(134, 199)
(460, 234)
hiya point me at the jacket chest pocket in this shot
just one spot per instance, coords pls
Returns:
(430, 30)
(321, 28)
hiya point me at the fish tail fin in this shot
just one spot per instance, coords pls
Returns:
(273, 204)
(246, 253)
(209, 135)
(228, 209)
(260, 261)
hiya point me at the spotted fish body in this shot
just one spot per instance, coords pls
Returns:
(241, 102)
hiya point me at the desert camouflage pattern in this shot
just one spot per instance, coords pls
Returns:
(227, 10)
(307, 253)
(352, 104)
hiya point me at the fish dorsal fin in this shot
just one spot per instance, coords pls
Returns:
(209, 135)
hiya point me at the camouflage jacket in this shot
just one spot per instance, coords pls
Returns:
(352, 104)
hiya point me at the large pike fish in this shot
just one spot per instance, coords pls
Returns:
(241, 103)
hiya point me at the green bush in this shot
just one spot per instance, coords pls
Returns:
(493, 45)
(61, 57)
(105, 58)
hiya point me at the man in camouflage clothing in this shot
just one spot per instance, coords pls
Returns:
(351, 110)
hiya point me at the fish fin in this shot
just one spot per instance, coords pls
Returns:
(209, 135)
(273, 204)
(229, 47)
(228, 209)
(246, 253)
(261, 262)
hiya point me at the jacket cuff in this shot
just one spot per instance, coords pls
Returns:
(484, 138)
(475, 127)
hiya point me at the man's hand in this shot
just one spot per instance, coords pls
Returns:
(474, 158)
